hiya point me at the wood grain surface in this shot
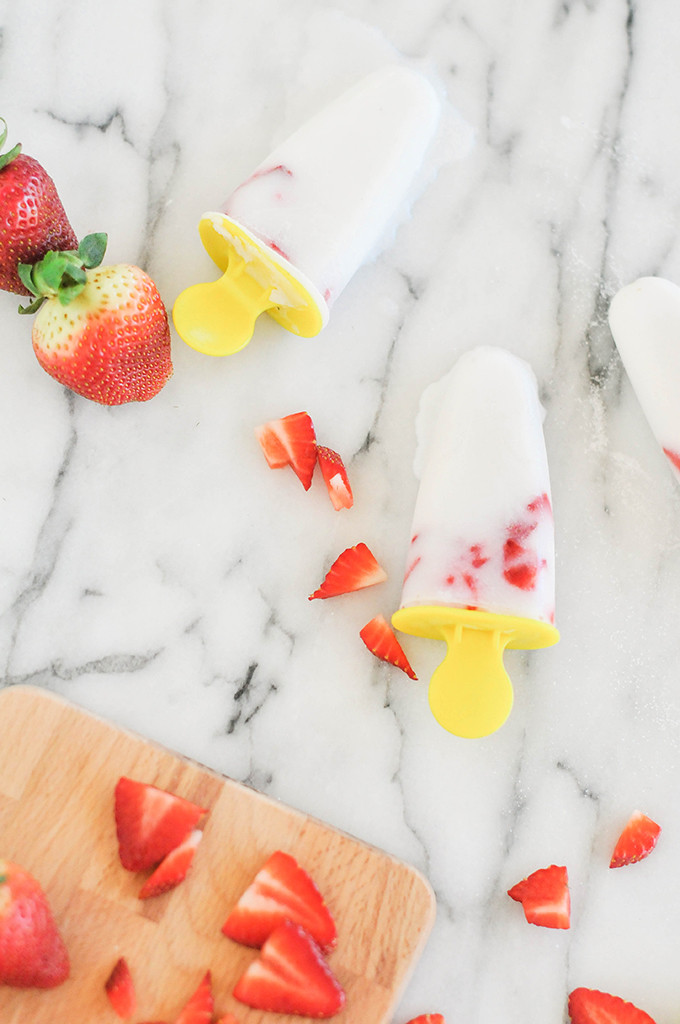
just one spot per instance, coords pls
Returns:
(58, 769)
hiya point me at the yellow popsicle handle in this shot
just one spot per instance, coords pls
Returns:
(470, 692)
(218, 317)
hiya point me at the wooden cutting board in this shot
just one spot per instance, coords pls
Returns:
(58, 769)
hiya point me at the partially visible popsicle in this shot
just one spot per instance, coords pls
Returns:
(644, 318)
(290, 237)
(480, 569)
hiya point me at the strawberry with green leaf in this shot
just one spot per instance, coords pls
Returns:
(101, 331)
(32, 218)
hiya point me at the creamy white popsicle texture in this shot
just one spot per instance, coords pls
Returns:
(317, 208)
(481, 556)
(644, 318)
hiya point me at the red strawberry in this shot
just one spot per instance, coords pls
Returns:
(150, 823)
(544, 896)
(290, 441)
(32, 219)
(32, 952)
(335, 476)
(352, 570)
(173, 868)
(428, 1018)
(228, 1018)
(199, 1009)
(637, 840)
(121, 990)
(380, 639)
(281, 891)
(100, 331)
(291, 976)
(587, 1006)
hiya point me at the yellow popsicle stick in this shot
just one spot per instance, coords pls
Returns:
(218, 317)
(470, 692)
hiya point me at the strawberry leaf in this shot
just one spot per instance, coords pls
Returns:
(6, 158)
(92, 248)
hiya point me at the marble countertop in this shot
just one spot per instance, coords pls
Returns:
(155, 571)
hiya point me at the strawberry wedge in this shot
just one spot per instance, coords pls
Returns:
(290, 441)
(588, 1006)
(428, 1018)
(281, 891)
(381, 641)
(335, 477)
(150, 823)
(544, 896)
(637, 840)
(172, 869)
(354, 569)
(199, 1009)
(291, 976)
(120, 990)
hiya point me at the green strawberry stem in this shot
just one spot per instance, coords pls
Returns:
(6, 158)
(62, 275)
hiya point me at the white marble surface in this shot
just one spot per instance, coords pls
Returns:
(154, 570)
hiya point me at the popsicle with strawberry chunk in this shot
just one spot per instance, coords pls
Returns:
(480, 567)
(644, 318)
(289, 238)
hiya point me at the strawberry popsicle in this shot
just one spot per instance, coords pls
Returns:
(290, 237)
(480, 567)
(644, 318)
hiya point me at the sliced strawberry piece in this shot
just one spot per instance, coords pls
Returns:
(544, 896)
(588, 1006)
(291, 976)
(150, 823)
(199, 1009)
(32, 952)
(637, 840)
(120, 990)
(381, 640)
(228, 1018)
(172, 869)
(354, 569)
(281, 891)
(335, 476)
(290, 441)
(428, 1018)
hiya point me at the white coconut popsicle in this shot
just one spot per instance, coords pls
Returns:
(480, 570)
(292, 235)
(644, 318)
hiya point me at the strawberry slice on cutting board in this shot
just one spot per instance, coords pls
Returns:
(353, 569)
(120, 990)
(150, 822)
(172, 869)
(291, 976)
(544, 896)
(281, 891)
(199, 1009)
(290, 441)
(637, 840)
(588, 1006)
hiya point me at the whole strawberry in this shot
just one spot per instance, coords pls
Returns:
(32, 952)
(32, 219)
(103, 332)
